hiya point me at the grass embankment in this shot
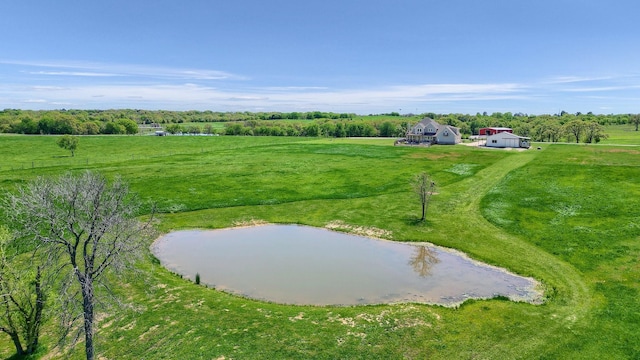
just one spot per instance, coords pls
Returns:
(622, 134)
(581, 206)
(215, 182)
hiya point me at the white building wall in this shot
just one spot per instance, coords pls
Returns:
(502, 140)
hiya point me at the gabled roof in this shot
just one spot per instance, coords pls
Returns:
(430, 123)
(503, 135)
(427, 121)
(453, 129)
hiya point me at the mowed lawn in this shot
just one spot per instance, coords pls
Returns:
(622, 134)
(566, 215)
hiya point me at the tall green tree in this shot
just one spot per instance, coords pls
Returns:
(174, 128)
(340, 130)
(26, 126)
(115, 128)
(194, 129)
(574, 129)
(312, 129)
(552, 131)
(387, 129)
(594, 132)
(89, 128)
(130, 126)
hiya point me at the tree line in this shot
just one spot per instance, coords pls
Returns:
(549, 127)
(120, 121)
(570, 129)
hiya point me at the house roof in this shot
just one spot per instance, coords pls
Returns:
(429, 129)
(503, 135)
(453, 129)
(435, 125)
(429, 121)
(424, 123)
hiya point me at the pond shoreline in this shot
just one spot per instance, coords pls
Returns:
(528, 289)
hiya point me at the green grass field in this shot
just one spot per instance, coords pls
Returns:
(622, 134)
(566, 215)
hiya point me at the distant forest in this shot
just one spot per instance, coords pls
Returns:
(577, 127)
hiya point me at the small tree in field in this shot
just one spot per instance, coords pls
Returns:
(635, 120)
(69, 142)
(89, 226)
(424, 187)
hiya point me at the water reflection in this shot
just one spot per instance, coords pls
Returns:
(310, 266)
(423, 260)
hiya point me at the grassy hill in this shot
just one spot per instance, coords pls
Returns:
(566, 215)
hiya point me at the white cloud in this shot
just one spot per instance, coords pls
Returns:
(292, 88)
(192, 96)
(44, 88)
(96, 69)
(94, 85)
(601, 89)
(577, 79)
(72, 73)
(248, 98)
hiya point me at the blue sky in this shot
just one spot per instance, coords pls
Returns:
(373, 56)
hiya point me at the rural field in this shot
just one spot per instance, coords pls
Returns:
(567, 215)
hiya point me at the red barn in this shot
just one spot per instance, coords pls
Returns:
(494, 130)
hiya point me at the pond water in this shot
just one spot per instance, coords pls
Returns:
(294, 264)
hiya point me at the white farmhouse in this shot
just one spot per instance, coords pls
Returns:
(507, 140)
(429, 131)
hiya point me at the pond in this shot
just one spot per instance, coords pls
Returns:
(292, 264)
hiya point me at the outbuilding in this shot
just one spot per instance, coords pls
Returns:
(507, 140)
(493, 130)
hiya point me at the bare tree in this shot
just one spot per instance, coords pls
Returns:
(424, 187)
(22, 298)
(87, 224)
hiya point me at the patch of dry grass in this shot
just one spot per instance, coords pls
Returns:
(368, 231)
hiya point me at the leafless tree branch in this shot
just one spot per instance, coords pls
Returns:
(424, 187)
(87, 225)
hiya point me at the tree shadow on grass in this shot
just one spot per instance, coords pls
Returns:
(415, 221)
(23, 357)
(39, 353)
